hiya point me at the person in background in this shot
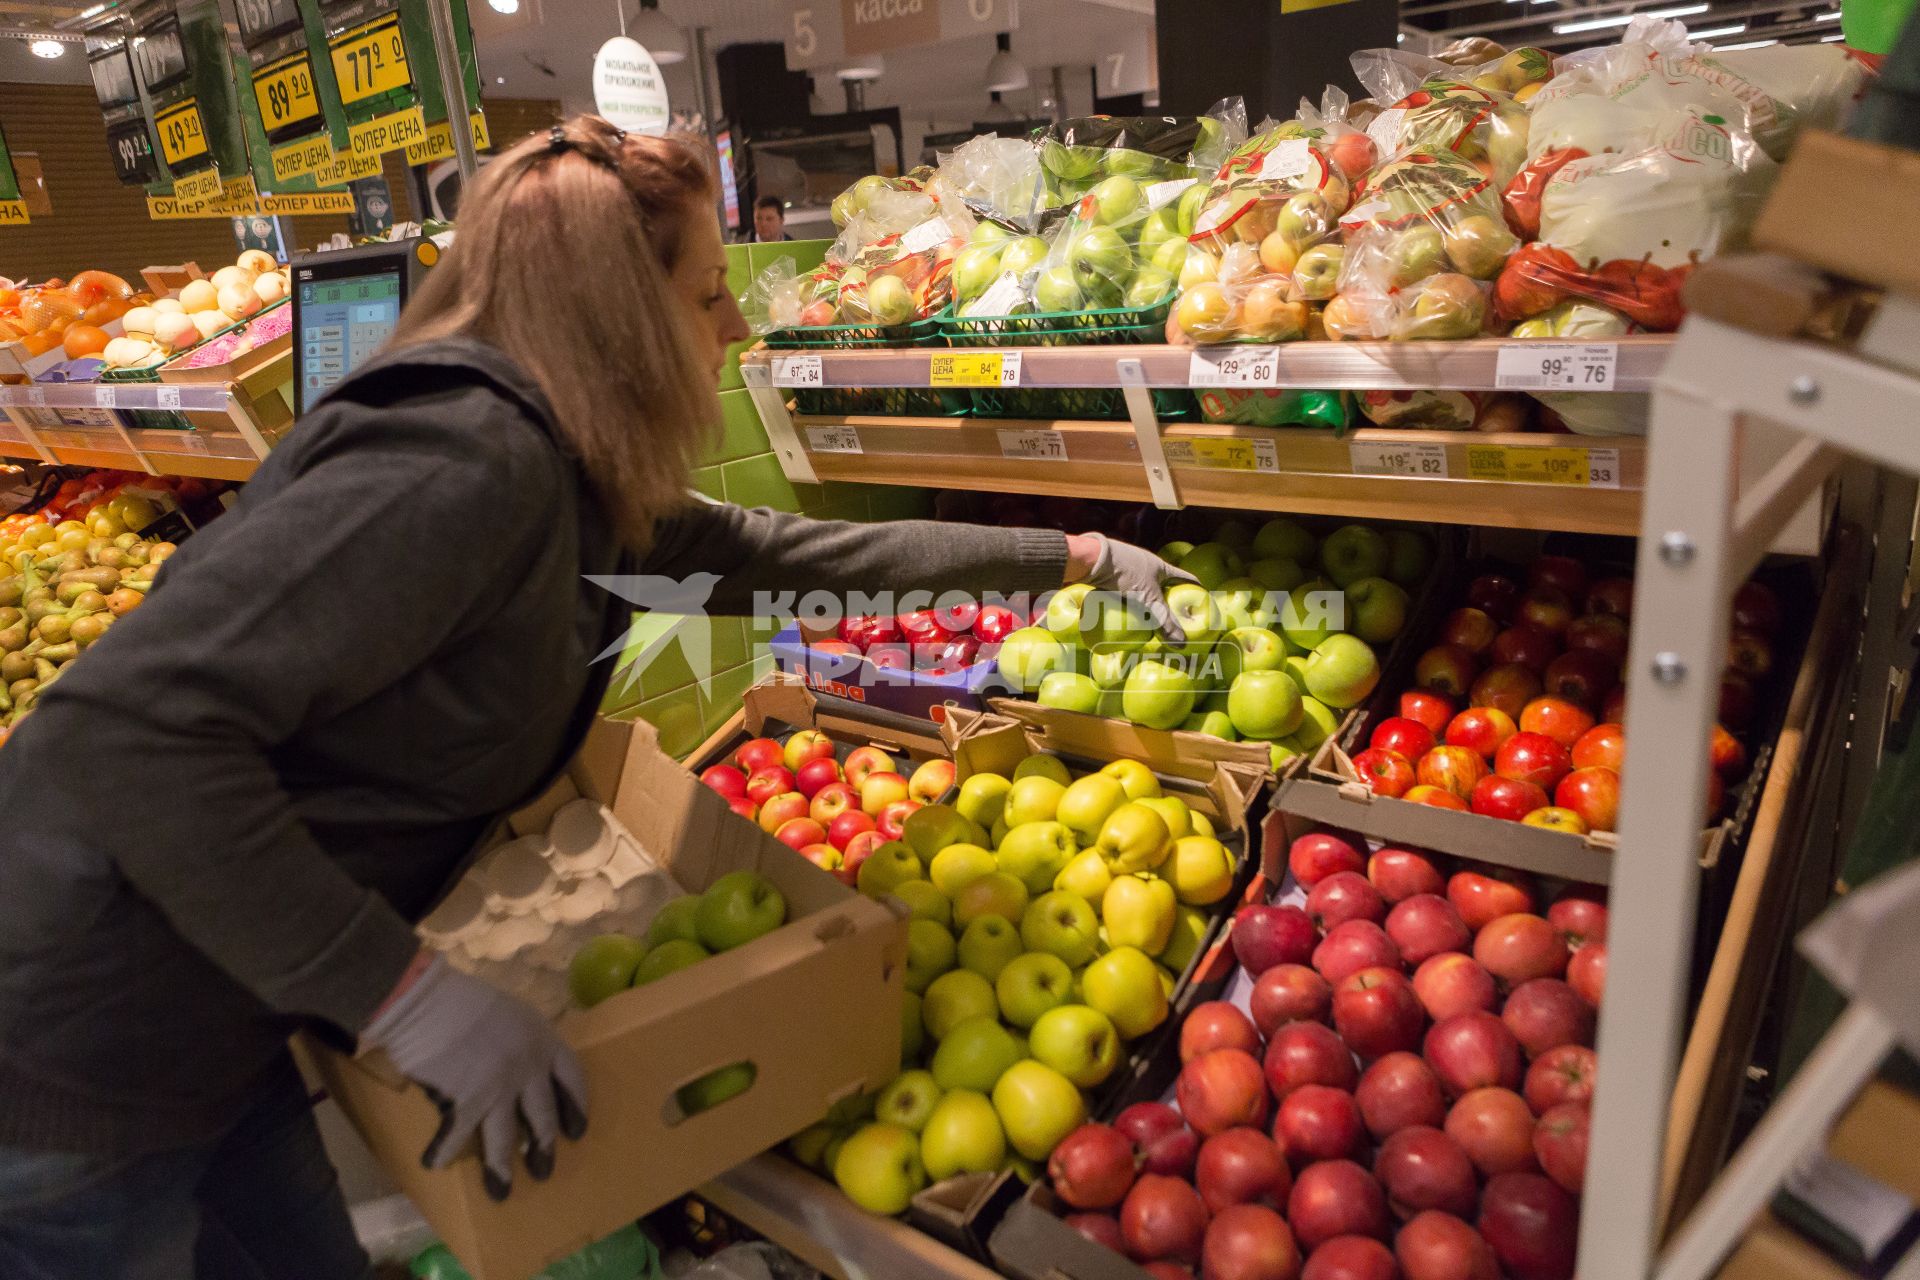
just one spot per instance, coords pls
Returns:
(770, 220)
(222, 826)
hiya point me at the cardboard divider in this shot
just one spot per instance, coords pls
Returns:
(841, 959)
(783, 703)
(1174, 752)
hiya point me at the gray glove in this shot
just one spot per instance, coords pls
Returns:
(490, 1063)
(1138, 576)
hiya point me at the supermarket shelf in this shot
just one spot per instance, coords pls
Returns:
(210, 455)
(1355, 366)
(232, 424)
(1254, 468)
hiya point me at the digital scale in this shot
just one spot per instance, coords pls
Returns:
(345, 305)
(111, 69)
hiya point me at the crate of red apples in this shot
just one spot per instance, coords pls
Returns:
(914, 664)
(1395, 1083)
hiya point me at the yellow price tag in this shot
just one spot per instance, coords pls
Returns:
(976, 369)
(344, 166)
(13, 213)
(387, 133)
(181, 136)
(1520, 464)
(204, 185)
(306, 155)
(439, 143)
(308, 202)
(370, 60)
(1228, 454)
(284, 90)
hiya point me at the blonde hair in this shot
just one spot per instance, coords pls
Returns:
(563, 262)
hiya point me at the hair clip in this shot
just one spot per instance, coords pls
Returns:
(557, 138)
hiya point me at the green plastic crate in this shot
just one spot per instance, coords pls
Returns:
(146, 419)
(893, 401)
(1110, 327)
(1096, 403)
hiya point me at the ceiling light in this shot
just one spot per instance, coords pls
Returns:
(1005, 73)
(868, 69)
(499, 79)
(46, 48)
(1745, 44)
(656, 31)
(1622, 19)
(504, 6)
(1708, 33)
(1835, 38)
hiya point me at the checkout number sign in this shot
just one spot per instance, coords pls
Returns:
(284, 90)
(370, 60)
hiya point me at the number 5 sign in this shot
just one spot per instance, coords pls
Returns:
(823, 33)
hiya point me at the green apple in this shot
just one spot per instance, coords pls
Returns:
(1101, 259)
(1202, 824)
(603, 966)
(933, 827)
(963, 1135)
(1317, 723)
(678, 919)
(1284, 539)
(925, 901)
(1037, 1107)
(1133, 838)
(1376, 609)
(1061, 923)
(1194, 196)
(1134, 777)
(1078, 1042)
(1342, 671)
(1311, 612)
(1112, 623)
(1250, 649)
(1214, 563)
(890, 300)
(879, 1168)
(1035, 852)
(1234, 533)
(1416, 253)
(1113, 705)
(974, 268)
(1158, 695)
(930, 953)
(1108, 668)
(1030, 985)
(953, 997)
(1069, 691)
(1277, 574)
(1200, 870)
(1171, 259)
(1264, 704)
(809, 1146)
(672, 955)
(994, 894)
(737, 908)
(1156, 229)
(1296, 668)
(1409, 557)
(988, 945)
(892, 864)
(1238, 601)
(913, 1032)
(1088, 803)
(1023, 255)
(1183, 944)
(1043, 765)
(1035, 798)
(1173, 552)
(982, 797)
(908, 1100)
(998, 835)
(1353, 552)
(991, 233)
(1027, 656)
(974, 1053)
(1278, 753)
(1125, 985)
(1217, 724)
(1154, 285)
(1086, 877)
(1138, 912)
(957, 866)
(1199, 618)
(1057, 290)
(1174, 812)
(831, 1155)
(1063, 609)
(852, 1111)
(1116, 201)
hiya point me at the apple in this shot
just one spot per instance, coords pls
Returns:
(1426, 925)
(1163, 1218)
(1725, 752)
(1200, 870)
(1315, 856)
(737, 908)
(1386, 773)
(844, 826)
(1556, 718)
(1092, 1168)
(1221, 1089)
(1402, 735)
(880, 790)
(1756, 608)
(1376, 1012)
(908, 1100)
(959, 865)
(758, 754)
(963, 1135)
(1037, 1107)
(1470, 629)
(1027, 656)
(1531, 1224)
(1377, 609)
(1341, 671)
(1353, 552)
(1125, 985)
(602, 967)
(1435, 797)
(1749, 653)
(1602, 634)
(1582, 677)
(1263, 704)
(1472, 1050)
(1317, 1123)
(1605, 746)
(1557, 819)
(995, 623)
(855, 855)
(1580, 914)
(1132, 838)
(1494, 594)
(764, 784)
(1452, 769)
(1428, 708)
(1216, 1024)
(1547, 608)
(892, 822)
(1351, 1257)
(1452, 983)
(1560, 1144)
(831, 800)
(988, 944)
(1036, 799)
(1495, 1129)
(1399, 1091)
(1546, 1013)
(1190, 928)
(974, 1054)
(994, 894)
(1030, 985)
(1400, 874)
(808, 744)
(798, 833)
(1101, 1228)
(1336, 1198)
(1300, 1053)
(1482, 730)
(1561, 1074)
(879, 1168)
(1533, 757)
(1445, 669)
(1264, 936)
(1069, 691)
(1085, 806)
(1592, 793)
(1034, 853)
(1421, 1168)
(1353, 946)
(1509, 799)
(726, 780)
(924, 901)
(1344, 896)
(1241, 1166)
(923, 627)
(1520, 947)
(1526, 646)
(1214, 564)
(1508, 687)
(930, 781)
(781, 809)
(745, 808)
(1289, 993)
(1061, 924)
(1587, 972)
(1249, 1242)
(1078, 1042)
(1440, 1246)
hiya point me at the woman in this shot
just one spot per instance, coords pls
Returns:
(220, 825)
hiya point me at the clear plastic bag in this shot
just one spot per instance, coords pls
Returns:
(1439, 410)
(1475, 112)
(894, 281)
(1276, 407)
(997, 178)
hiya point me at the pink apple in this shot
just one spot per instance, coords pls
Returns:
(1400, 874)
(798, 833)
(808, 744)
(726, 780)
(758, 754)
(831, 801)
(1289, 993)
(823, 856)
(764, 784)
(1264, 936)
(816, 775)
(1452, 983)
(892, 821)
(782, 809)
(1317, 855)
(931, 781)
(1317, 1122)
(1351, 947)
(1426, 925)
(1473, 1051)
(1344, 896)
(1398, 1092)
(1376, 1012)
(881, 790)
(862, 763)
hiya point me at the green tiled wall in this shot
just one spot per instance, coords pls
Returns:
(742, 469)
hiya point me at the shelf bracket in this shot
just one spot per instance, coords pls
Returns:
(18, 416)
(249, 429)
(778, 423)
(126, 438)
(1146, 430)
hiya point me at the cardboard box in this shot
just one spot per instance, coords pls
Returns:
(854, 678)
(1173, 752)
(784, 703)
(814, 1005)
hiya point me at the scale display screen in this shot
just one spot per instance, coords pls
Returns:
(112, 77)
(341, 322)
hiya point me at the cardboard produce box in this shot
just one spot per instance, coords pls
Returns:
(784, 703)
(1177, 753)
(814, 1006)
(855, 678)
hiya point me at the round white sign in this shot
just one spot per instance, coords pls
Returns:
(628, 88)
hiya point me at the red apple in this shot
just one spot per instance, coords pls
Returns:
(1495, 1129)
(1737, 700)
(1470, 629)
(1581, 677)
(1587, 972)
(1336, 1198)
(1756, 608)
(798, 833)
(1217, 1024)
(1445, 669)
(1580, 914)
(1563, 1074)
(995, 623)
(1613, 596)
(858, 850)
(1307, 1053)
(1532, 1226)
(832, 802)
(1727, 755)
(1397, 1092)
(1426, 925)
(1428, 708)
(745, 808)
(893, 656)
(1592, 793)
(1601, 634)
(1400, 874)
(1344, 896)
(774, 780)
(1439, 1246)
(1376, 1012)
(922, 626)
(1163, 1270)
(725, 779)
(1264, 936)
(1547, 608)
(1386, 773)
(955, 654)
(1101, 1228)
(1289, 993)
(1092, 1167)
(1533, 757)
(880, 790)
(958, 615)
(1165, 1144)
(1481, 730)
(853, 631)
(1749, 653)
(1319, 854)
(1351, 947)
(1249, 1242)
(1241, 1166)
(843, 828)
(758, 754)
(1494, 593)
(1560, 1145)
(1422, 1168)
(1483, 894)
(1604, 745)
(782, 809)
(1351, 1258)
(1556, 718)
(1162, 1218)
(1471, 1051)
(823, 856)
(1526, 646)
(1546, 1013)
(862, 763)
(892, 822)
(1453, 769)
(1520, 947)
(1451, 983)
(806, 745)
(1507, 687)
(1318, 1123)
(1219, 1090)
(1436, 798)
(1562, 572)
(1402, 734)
(1509, 799)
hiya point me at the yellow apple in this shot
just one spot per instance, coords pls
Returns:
(1201, 870)
(1138, 912)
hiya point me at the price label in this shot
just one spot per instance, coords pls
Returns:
(1226, 454)
(1289, 159)
(925, 236)
(1162, 193)
(1385, 131)
(195, 187)
(1525, 464)
(1603, 468)
(392, 132)
(284, 90)
(1556, 366)
(166, 397)
(1033, 446)
(833, 440)
(370, 60)
(1234, 367)
(798, 371)
(182, 138)
(999, 299)
(37, 397)
(975, 369)
(1425, 461)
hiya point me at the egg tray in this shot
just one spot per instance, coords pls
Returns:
(891, 401)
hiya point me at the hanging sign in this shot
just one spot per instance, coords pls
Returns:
(822, 33)
(628, 88)
(13, 210)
